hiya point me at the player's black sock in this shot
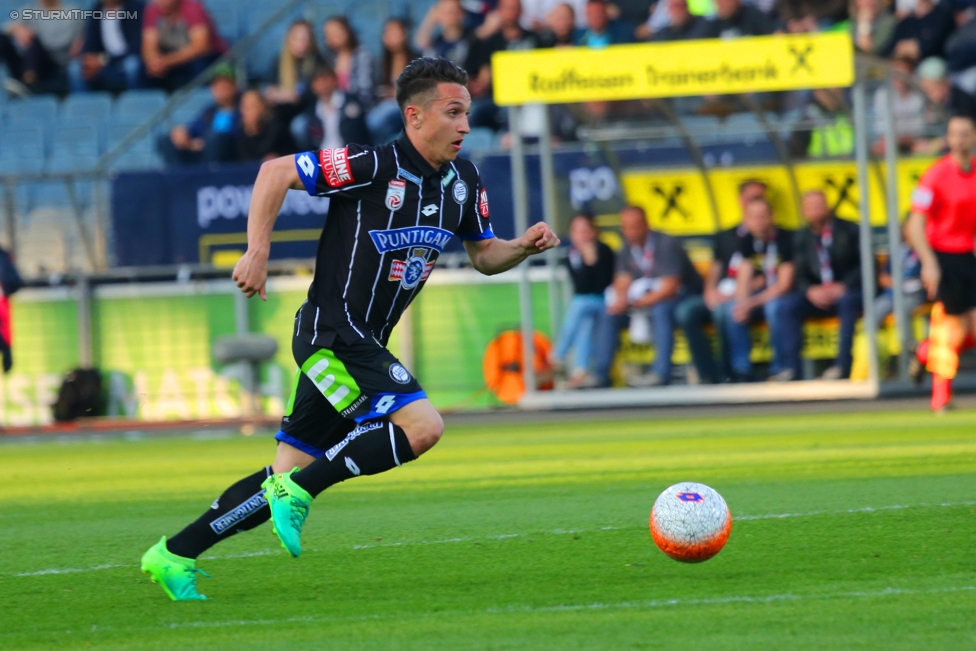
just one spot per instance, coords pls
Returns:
(371, 448)
(241, 507)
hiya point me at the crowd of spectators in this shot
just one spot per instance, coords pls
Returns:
(760, 273)
(931, 45)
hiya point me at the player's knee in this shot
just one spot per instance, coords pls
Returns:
(424, 434)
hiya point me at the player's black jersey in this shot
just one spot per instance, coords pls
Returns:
(390, 216)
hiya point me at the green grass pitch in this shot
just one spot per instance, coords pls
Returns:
(852, 531)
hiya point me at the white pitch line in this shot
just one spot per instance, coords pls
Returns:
(509, 536)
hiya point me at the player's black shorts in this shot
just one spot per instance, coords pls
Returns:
(957, 289)
(339, 387)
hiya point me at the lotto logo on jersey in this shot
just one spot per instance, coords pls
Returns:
(483, 203)
(335, 166)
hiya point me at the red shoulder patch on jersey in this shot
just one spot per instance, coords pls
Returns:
(483, 203)
(335, 167)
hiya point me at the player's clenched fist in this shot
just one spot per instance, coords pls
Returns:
(539, 238)
(251, 274)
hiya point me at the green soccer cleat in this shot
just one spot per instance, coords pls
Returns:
(176, 575)
(289, 504)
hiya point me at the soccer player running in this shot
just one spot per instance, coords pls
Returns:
(942, 230)
(354, 409)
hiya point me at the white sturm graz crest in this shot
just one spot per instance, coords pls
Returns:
(396, 191)
(399, 374)
(460, 191)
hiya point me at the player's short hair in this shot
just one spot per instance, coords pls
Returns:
(323, 70)
(422, 76)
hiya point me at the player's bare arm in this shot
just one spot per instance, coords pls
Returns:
(931, 271)
(493, 256)
(274, 180)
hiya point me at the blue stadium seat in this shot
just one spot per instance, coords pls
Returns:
(703, 128)
(191, 108)
(228, 21)
(480, 139)
(22, 143)
(75, 140)
(32, 109)
(138, 160)
(263, 57)
(86, 107)
(138, 105)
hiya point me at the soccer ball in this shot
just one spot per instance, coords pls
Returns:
(690, 522)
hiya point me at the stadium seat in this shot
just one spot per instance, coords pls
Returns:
(480, 139)
(86, 106)
(75, 140)
(33, 110)
(263, 57)
(227, 19)
(138, 105)
(191, 108)
(22, 143)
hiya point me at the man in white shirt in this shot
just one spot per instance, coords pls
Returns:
(110, 58)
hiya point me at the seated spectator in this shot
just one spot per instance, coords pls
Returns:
(509, 36)
(653, 275)
(179, 41)
(212, 136)
(909, 109)
(912, 287)
(765, 277)
(298, 60)
(352, 63)
(827, 258)
(333, 118)
(697, 312)
(536, 13)
(960, 47)
(37, 50)
(384, 121)
(560, 30)
(591, 267)
(733, 19)
(631, 13)
(443, 34)
(683, 25)
(600, 30)
(261, 137)
(873, 25)
(922, 33)
(111, 57)
(945, 99)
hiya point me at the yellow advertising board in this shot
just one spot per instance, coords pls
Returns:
(676, 201)
(706, 67)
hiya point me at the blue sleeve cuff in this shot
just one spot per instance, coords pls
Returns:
(308, 171)
(477, 237)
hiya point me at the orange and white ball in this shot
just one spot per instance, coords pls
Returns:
(690, 522)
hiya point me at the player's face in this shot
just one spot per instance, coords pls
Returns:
(961, 136)
(815, 209)
(444, 123)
